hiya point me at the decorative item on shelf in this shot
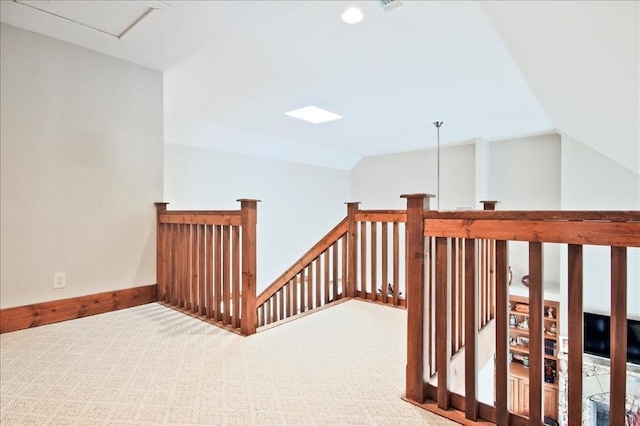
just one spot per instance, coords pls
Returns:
(550, 312)
(524, 325)
(510, 275)
(549, 371)
(513, 321)
(525, 362)
(522, 308)
(553, 329)
(525, 280)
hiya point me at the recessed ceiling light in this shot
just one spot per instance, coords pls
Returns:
(352, 15)
(313, 114)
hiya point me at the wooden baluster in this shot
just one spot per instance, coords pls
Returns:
(454, 295)
(183, 274)
(416, 204)
(363, 260)
(502, 362)
(575, 298)
(345, 269)
(295, 306)
(618, 335)
(335, 269)
(385, 262)
(461, 291)
(217, 282)
(536, 314)
(396, 265)
(471, 331)
(310, 286)
(195, 270)
(318, 268)
(303, 293)
(489, 205)
(443, 350)
(226, 280)
(210, 279)
(202, 256)
(281, 304)
(289, 293)
(248, 209)
(352, 247)
(325, 260)
(374, 259)
(236, 273)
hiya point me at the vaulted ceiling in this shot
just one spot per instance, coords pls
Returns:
(487, 69)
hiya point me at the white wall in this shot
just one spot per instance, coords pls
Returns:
(378, 181)
(591, 181)
(299, 203)
(525, 175)
(81, 165)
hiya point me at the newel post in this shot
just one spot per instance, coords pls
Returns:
(248, 214)
(352, 249)
(416, 205)
(161, 253)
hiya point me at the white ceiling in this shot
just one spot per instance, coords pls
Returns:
(487, 69)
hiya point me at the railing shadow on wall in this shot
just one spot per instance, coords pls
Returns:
(447, 237)
(206, 264)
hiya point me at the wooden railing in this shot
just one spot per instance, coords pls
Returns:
(617, 230)
(361, 257)
(206, 264)
(364, 257)
(314, 281)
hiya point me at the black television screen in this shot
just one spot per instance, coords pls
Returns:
(597, 340)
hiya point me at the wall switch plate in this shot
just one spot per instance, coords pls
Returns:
(60, 280)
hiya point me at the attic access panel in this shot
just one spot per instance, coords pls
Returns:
(114, 18)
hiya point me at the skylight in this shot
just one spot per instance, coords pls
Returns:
(313, 114)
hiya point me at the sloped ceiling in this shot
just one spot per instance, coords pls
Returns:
(492, 70)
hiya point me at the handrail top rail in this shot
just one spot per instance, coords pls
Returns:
(538, 215)
(202, 212)
(331, 237)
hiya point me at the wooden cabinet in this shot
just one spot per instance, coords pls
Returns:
(519, 353)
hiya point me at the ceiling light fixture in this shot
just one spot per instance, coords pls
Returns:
(352, 15)
(313, 114)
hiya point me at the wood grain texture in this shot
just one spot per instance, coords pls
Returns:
(576, 330)
(396, 216)
(529, 215)
(471, 331)
(443, 350)
(501, 366)
(618, 335)
(21, 317)
(415, 297)
(204, 218)
(536, 313)
(352, 246)
(593, 233)
(249, 322)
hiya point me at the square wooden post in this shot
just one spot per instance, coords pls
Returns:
(416, 205)
(352, 249)
(161, 254)
(249, 319)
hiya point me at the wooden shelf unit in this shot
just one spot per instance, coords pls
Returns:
(518, 348)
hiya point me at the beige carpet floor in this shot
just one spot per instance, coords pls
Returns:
(150, 365)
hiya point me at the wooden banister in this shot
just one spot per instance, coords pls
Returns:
(490, 231)
(325, 242)
(201, 256)
(248, 319)
(416, 205)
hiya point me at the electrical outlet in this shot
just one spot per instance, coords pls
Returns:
(60, 280)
